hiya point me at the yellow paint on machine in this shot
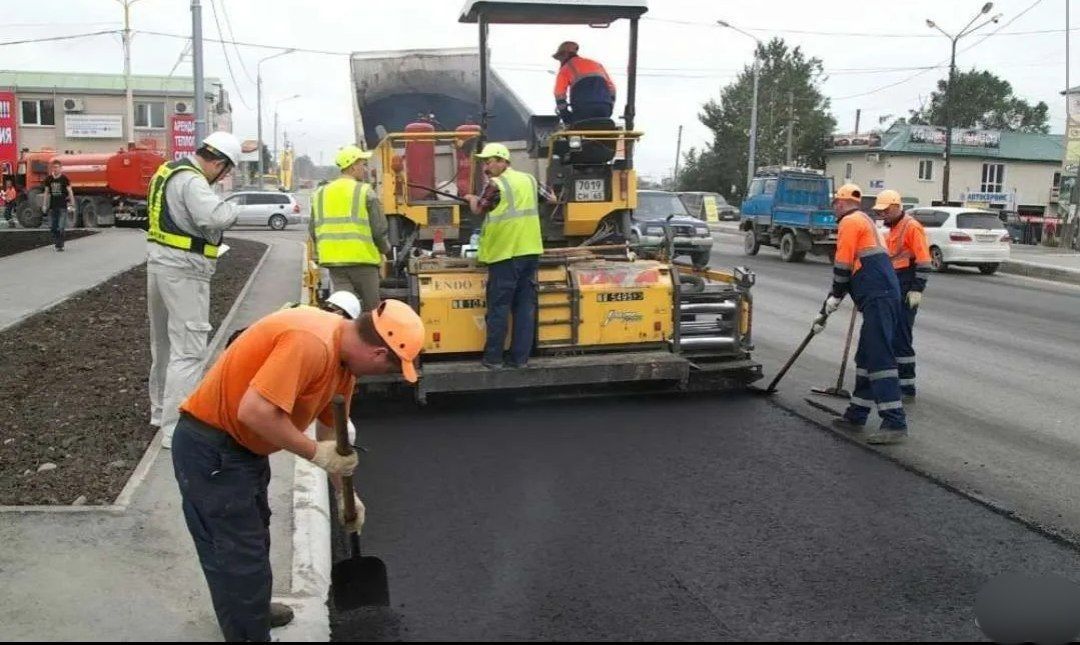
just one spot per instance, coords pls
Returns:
(583, 218)
(605, 303)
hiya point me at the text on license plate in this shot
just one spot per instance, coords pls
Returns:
(589, 190)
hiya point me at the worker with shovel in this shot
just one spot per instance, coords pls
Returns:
(279, 376)
(910, 255)
(863, 268)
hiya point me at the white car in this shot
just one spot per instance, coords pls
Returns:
(965, 237)
(266, 208)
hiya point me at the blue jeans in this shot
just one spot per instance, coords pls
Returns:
(57, 225)
(223, 486)
(511, 286)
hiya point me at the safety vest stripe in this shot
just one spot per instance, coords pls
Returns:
(881, 374)
(846, 266)
(905, 359)
(867, 252)
(161, 229)
(890, 405)
(907, 381)
(841, 279)
(861, 372)
(346, 236)
(861, 403)
(512, 210)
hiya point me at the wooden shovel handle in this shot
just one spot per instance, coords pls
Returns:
(341, 432)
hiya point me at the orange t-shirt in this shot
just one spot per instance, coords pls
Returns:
(291, 358)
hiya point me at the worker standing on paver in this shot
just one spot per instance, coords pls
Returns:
(862, 267)
(186, 222)
(57, 200)
(583, 89)
(910, 254)
(276, 379)
(349, 228)
(510, 245)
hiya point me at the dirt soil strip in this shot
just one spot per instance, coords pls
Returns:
(12, 242)
(73, 390)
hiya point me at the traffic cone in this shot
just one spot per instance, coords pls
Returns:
(437, 247)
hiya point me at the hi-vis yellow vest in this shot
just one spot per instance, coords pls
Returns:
(342, 228)
(512, 228)
(161, 228)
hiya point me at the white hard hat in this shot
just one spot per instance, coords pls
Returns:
(224, 143)
(347, 302)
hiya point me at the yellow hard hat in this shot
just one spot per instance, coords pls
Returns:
(848, 191)
(349, 155)
(885, 199)
(497, 150)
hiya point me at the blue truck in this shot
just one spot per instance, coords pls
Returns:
(790, 209)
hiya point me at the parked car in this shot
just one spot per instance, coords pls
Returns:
(697, 203)
(692, 236)
(266, 208)
(964, 237)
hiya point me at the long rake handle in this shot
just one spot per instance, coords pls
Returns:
(341, 432)
(847, 347)
(790, 362)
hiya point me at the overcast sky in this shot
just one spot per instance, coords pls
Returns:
(684, 58)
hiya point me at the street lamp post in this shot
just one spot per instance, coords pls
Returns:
(967, 30)
(750, 162)
(258, 110)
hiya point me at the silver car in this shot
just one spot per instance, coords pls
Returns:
(266, 208)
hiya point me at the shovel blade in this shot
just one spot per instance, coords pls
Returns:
(360, 582)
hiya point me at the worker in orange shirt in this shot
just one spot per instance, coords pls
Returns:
(910, 254)
(863, 268)
(583, 89)
(262, 393)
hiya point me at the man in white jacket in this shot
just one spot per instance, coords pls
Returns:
(186, 222)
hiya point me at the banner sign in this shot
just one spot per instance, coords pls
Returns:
(960, 137)
(182, 136)
(9, 149)
(93, 126)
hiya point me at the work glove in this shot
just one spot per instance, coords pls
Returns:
(832, 303)
(357, 525)
(327, 458)
(818, 325)
(914, 298)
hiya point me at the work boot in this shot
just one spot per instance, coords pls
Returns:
(494, 367)
(885, 436)
(847, 425)
(280, 614)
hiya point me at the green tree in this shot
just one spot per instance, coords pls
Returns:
(785, 72)
(982, 100)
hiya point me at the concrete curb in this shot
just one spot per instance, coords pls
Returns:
(123, 500)
(311, 550)
(1042, 271)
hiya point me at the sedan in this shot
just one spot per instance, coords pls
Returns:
(964, 237)
(266, 208)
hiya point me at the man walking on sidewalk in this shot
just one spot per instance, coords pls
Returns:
(279, 376)
(349, 228)
(186, 221)
(910, 254)
(58, 199)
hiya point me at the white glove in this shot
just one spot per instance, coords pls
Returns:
(914, 298)
(71, 208)
(357, 525)
(832, 303)
(818, 325)
(327, 458)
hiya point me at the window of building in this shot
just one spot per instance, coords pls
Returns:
(926, 170)
(38, 112)
(993, 177)
(848, 171)
(149, 114)
(1057, 180)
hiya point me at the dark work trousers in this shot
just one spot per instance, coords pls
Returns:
(583, 110)
(511, 287)
(223, 486)
(57, 225)
(905, 346)
(877, 381)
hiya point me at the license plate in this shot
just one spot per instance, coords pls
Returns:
(589, 190)
(986, 238)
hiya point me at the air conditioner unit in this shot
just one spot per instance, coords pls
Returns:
(74, 105)
(874, 157)
(182, 107)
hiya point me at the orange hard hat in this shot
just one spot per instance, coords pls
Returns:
(568, 47)
(885, 199)
(402, 330)
(848, 191)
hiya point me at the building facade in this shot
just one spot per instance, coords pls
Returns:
(1000, 170)
(75, 113)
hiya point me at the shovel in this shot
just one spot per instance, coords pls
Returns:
(791, 361)
(359, 581)
(839, 390)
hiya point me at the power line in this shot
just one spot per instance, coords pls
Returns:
(55, 38)
(232, 35)
(851, 34)
(256, 45)
(225, 51)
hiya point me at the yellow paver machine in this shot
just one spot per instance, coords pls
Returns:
(605, 315)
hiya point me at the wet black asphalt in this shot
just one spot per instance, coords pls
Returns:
(664, 518)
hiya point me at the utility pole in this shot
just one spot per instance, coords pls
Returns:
(678, 153)
(790, 122)
(129, 101)
(858, 117)
(197, 65)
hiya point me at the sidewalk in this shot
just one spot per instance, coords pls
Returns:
(134, 575)
(55, 277)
